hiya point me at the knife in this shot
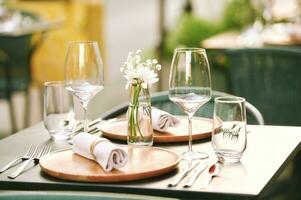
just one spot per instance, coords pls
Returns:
(198, 170)
(180, 177)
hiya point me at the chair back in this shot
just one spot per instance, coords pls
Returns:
(161, 100)
(15, 73)
(269, 78)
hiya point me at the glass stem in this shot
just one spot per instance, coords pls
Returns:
(85, 121)
(190, 132)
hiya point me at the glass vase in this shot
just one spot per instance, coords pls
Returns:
(140, 130)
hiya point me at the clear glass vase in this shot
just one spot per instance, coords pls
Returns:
(140, 131)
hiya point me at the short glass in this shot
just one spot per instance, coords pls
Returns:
(229, 139)
(59, 117)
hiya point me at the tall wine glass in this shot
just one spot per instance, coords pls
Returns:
(83, 72)
(190, 87)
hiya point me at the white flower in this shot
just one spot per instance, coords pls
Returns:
(138, 59)
(144, 85)
(148, 61)
(137, 71)
(130, 66)
(146, 75)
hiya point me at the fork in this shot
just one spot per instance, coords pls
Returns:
(45, 150)
(30, 152)
(36, 158)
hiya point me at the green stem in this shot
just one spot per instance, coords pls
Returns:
(137, 110)
(134, 113)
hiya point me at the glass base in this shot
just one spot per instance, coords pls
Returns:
(140, 143)
(228, 157)
(194, 155)
(60, 135)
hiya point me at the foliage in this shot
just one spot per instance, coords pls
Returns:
(238, 14)
(191, 31)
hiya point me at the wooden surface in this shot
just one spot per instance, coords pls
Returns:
(69, 166)
(201, 129)
(269, 150)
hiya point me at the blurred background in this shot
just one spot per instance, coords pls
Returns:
(34, 36)
(253, 47)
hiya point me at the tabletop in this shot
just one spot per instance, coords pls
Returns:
(233, 39)
(269, 150)
(225, 40)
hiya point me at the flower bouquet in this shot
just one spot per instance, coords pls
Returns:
(140, 76)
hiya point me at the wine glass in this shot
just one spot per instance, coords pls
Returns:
(190, 87)
(83, 72)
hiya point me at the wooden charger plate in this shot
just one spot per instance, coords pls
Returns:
(201, 128)
(143, 162)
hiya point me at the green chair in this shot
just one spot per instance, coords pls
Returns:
(15, 70)
(269, 78)
(77, 195)
(161, 100)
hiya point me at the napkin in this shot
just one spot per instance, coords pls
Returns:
(161, 120)
(105, 153)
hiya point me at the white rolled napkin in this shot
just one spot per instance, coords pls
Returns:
(105, 153)
(161, 120)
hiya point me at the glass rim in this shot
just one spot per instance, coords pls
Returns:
(82, 42)
(194, 49)
(229, 99)
(54, 83)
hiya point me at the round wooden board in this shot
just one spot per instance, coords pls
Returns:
(201, 128)
(143, 162)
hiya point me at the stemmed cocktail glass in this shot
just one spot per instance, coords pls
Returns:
(84, 72)
(190, 87)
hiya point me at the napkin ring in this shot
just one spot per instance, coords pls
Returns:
(92, 146)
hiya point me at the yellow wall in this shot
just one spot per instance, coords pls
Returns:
(79, 20)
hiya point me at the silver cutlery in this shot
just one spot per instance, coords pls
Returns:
(182, 175)
(101, 123)
(197, 171)
(80, 127)
(213, 171)
(44, 151)
(30, 152)
(97, 123)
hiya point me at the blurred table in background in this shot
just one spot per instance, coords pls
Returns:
(279, 35)
(225, 40)
(273, 36)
